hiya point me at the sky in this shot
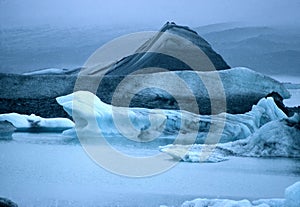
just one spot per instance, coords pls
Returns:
(155, 12)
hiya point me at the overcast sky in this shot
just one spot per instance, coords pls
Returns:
(153, 13)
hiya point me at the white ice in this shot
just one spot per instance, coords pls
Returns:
(292, 199)
(292, 195)
(93, 117)
(233, 203)
(46, 71)
(279, 138)
(50, 71)
(37, 123)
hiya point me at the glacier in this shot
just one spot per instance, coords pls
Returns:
(35, 123)
(292, 199)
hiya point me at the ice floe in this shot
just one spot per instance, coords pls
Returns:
(93, 116)
(292, 199)
(36, 123)
(279, 138)
(53, 71)
(292, 195)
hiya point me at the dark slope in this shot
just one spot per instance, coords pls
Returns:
(141, 59)
(268, 50)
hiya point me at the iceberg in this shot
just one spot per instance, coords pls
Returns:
(292, 195)
(242, 89)
(5, 202)
(292, 199)
(36, 123)
(278, 138)
(157, 50)
(143, 124)
(134, 123)
(233, 203)
(54, 71)
(233, 90)
(46, 71)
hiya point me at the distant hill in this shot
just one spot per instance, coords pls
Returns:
(216, 27)
(270, 50)
(24, 49)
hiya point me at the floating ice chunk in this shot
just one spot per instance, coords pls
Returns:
(53, 71)
(240, 126)
(94, 117)
(280, 138)
(220, 203)
(45, 71)
(292, 195)
(292, 199)
(36, 123)
(232, 203)
(192, 153)
(275, 202)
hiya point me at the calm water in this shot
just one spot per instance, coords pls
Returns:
(57, 172)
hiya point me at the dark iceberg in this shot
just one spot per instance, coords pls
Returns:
(36, 94)
(4, 202)
(157, 59)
